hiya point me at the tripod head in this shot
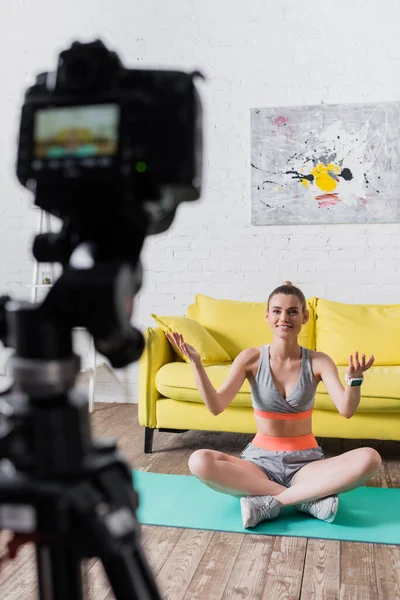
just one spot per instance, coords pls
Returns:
(111, 152)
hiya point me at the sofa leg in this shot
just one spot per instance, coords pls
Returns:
(148, 440)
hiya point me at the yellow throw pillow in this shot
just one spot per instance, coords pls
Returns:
(341, 329)
(197, 336)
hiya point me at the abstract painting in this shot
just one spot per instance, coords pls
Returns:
(325, 164)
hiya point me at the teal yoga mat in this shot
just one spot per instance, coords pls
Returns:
(366, 514)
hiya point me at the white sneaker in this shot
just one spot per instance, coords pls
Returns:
(258, 508)
(324, 509)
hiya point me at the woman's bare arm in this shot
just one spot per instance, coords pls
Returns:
(216, 400)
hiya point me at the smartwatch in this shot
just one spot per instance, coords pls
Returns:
(353, 381)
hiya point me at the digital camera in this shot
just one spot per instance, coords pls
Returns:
(95, 136)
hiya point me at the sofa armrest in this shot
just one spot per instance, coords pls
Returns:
(157, 353)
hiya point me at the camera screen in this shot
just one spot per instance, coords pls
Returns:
(76, 131)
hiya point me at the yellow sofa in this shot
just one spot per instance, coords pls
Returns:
(169, 400)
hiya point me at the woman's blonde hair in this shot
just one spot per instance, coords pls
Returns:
(289, 289)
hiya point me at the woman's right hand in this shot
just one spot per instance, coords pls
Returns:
(176, 339)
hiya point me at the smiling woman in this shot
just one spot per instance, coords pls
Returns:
(283, 464)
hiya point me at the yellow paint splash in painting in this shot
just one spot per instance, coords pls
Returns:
(323, 179)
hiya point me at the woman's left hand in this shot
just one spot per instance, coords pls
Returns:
(357, 366)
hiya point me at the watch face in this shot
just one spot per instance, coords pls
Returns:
(354, 383)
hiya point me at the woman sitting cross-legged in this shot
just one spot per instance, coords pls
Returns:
(283, 465)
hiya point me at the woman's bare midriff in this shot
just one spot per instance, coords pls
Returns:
(288, 429)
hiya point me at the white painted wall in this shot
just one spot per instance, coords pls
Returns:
(260, 53)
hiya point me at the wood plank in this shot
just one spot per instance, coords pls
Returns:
(9, 567)
(145, 532)
(159, 545)
(100, 412)
(85, 566)
(321, 570)
(392, 467)
(95, 583)
(381, 478)
(120, 417)
(132, 453)
(175, 576)
(23, 580)
(22, 566)
(248, 577)
(285, 569)
(214, 570)
(387, 566)
(357, 571)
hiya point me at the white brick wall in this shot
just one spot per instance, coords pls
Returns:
(260, 53)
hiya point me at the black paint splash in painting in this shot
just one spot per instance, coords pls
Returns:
(368, 183)
(346, 174)
(300, 176)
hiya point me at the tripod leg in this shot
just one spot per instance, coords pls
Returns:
(59, 573)
(129, 575)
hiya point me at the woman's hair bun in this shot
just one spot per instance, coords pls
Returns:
(287, 283)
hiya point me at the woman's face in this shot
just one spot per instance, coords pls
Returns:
(285, 315)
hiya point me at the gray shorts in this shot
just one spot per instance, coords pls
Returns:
(280, 466)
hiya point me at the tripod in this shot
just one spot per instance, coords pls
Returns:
(71, 495)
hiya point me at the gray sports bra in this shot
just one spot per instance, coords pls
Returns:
(266, 398)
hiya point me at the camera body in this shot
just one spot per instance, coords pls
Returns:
(93, 128)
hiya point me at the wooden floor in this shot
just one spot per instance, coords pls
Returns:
(207, 565)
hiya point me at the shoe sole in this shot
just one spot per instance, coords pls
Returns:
(334, 511)
(245, 514)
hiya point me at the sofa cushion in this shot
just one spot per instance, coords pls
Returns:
(379, 382)
(368, 404)
(380, 390)
(341, 329)
(237, 325)
(196, 335)
(176, 381)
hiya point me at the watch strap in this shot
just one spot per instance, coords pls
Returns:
(349, 380)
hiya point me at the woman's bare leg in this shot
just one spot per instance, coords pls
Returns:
(331, 476)
(231, 475)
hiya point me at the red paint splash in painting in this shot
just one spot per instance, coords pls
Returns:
(280, 121)
(283, 127)
(327, 199)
